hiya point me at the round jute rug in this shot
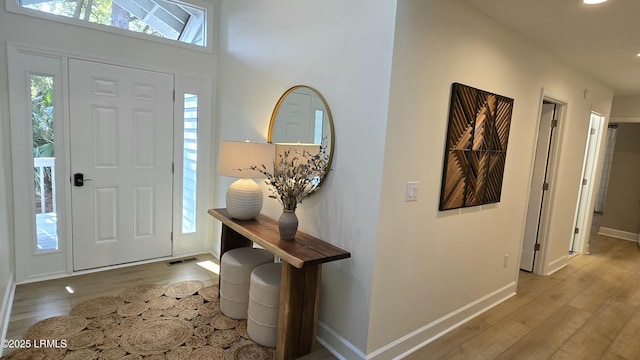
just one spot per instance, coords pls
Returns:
(59, 327)
(142, 293)
(156, 336)
(150, 322)
(183, 288)
(100, 306)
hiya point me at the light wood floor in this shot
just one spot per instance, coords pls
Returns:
(589, 310)
(37, 301)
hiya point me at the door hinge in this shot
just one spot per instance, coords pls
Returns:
(593, 131)
(172, 236)
(545, 186)
(554, 123)
(174, 95)
(584, 182)
(577, 231)
(536, 247)
(173, 168)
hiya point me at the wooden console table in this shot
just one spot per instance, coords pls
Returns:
(302, 260)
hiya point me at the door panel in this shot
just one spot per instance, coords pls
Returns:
(580, 241)
(105, 211)
(144, 211)
(144, 129)
(105, 136)
(121, 125)
(296, 115)
(536, 197)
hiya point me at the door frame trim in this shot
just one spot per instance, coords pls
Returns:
(540, 266)
(183, 245)
(22, 153)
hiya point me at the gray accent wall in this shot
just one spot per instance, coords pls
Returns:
(622, 205)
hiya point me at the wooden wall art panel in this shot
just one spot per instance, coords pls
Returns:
(476, 147)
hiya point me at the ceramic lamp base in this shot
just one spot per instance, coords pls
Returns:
(244, 199)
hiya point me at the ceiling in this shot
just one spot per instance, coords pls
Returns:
(601, 40)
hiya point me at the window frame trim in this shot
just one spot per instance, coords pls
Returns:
(12, 6)
(202, 87)
(196, 218)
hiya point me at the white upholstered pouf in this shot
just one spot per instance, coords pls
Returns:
(235, 273)
(264, 301)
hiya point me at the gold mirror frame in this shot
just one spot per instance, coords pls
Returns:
(332, 138)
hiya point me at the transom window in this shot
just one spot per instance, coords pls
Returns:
(161, 18)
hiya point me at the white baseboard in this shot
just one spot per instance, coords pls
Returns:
(54, 276)
(556, 265)
(338, 345)
(431, 332)
(343, 349)
(624, 235)
(5, 309)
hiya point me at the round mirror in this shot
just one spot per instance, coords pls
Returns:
(302, 117)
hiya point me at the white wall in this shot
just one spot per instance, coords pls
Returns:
(343, 49)
(444, 266)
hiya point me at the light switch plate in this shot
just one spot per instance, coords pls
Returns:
(412, 191)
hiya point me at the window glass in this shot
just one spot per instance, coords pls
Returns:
(162, 18)
(319, 123)
(44, 162)
(190, 163)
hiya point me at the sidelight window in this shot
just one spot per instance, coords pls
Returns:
(190, 164)
(42, 122)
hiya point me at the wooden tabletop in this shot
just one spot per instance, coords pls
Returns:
(303, 250)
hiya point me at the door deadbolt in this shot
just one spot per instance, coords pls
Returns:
(79, 180)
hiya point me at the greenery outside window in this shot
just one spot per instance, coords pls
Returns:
(166, 19)
(42, 123)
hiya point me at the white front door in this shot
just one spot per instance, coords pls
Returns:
(121, 127)
(296, 115)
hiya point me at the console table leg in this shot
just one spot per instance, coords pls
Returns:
(298, 315)
(230, 239)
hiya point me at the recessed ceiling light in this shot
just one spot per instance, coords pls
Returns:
(591, 2)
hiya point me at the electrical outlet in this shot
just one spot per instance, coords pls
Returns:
(412, 191)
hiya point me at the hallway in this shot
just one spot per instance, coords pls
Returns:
(588, 310)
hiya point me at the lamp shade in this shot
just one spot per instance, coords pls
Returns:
(244, 197)
(235, 157)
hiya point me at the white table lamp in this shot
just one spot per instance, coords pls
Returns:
(244, 196)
